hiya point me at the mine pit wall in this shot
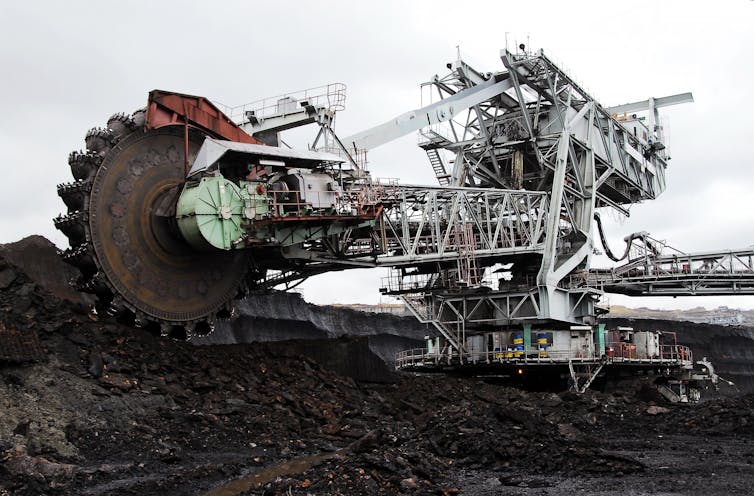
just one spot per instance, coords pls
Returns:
(328, 332)
(349, 357)
(729, 348)
(353, 342)
(347, 340)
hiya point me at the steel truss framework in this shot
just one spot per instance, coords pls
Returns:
(545, 132)
(423, 225)
(681, 274)
(532, 127)
(462, 312)
(532, 155)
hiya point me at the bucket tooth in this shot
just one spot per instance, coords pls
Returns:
(141, 320)
(74, 195)
(140, 117)
(80, 257)
(117, 306)
(99, 140)
(121, 125)
(203, 328)
(83, 165)
(93, 285)
(73, 226)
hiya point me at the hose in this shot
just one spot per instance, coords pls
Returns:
(628, 239)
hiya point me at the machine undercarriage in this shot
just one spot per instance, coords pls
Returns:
(180, 208)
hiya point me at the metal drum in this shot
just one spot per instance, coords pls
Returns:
(518, 345)
(542, 344)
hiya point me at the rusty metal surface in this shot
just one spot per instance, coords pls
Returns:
(166, 108)
(144, 262)
(18, 346)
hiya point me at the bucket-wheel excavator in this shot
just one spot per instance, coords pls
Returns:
(181, 207)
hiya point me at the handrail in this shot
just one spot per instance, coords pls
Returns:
(669, 354)
(330, 96)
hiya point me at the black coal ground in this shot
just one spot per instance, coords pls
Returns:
(115, 410)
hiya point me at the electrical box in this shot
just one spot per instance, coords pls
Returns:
(582, 343)
(476, 348)
(312, 188)
(647, 344)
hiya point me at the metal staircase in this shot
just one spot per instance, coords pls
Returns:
(438, 166)
(455, 339)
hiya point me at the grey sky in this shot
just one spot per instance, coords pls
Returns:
(67, 66)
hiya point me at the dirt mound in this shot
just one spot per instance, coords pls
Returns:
(116, 410)
(38, 259)
(269, 317)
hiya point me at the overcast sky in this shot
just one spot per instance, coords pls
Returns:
(67, 66)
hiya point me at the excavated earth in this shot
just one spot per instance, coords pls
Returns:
(91, 407)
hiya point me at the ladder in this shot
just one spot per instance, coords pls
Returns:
(437, 165)
(467, 267)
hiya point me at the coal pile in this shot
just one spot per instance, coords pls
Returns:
(109, 409)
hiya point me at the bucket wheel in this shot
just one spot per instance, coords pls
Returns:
(123, 236)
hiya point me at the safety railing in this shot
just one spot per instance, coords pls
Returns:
(436, 134)
(397, 282)
(386, 181)
(417, 357)
(330, 96)
(359, 156)
(412, 355)
(666, 352)
(304, 203)
(420, 357)
(532, 356)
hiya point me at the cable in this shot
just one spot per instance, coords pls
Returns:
(628, 239)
